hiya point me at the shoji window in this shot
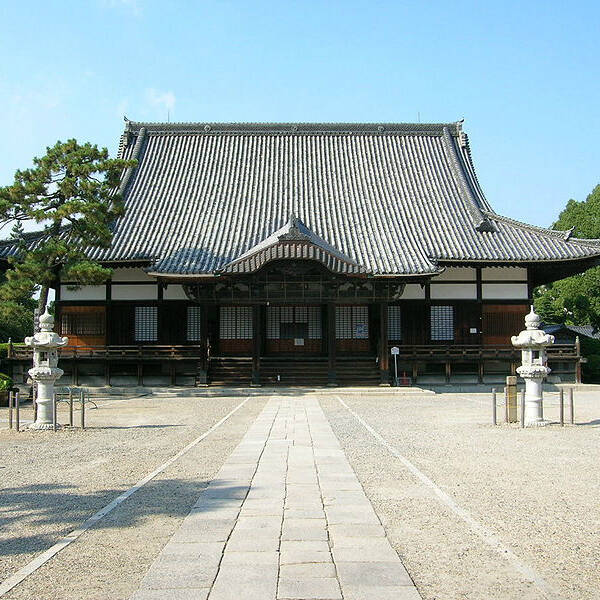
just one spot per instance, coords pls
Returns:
(194, 324)
(235, 323)
(394, 323)
(352, 322)
(442, 323)
(146, 323)
(82, 323)
(287, 322)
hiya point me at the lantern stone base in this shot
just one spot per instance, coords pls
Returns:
(43, 426)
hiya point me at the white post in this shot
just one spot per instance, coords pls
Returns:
(45, 370)
(533, 370)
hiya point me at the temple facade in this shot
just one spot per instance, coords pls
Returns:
(302, 254)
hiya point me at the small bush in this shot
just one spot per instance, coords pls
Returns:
(6, 383)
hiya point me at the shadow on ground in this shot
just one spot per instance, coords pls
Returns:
(57, 509)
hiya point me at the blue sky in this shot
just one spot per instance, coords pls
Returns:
(525, 76)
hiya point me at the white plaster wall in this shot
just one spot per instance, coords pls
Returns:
(413, 291)
(454, 291)
(504, 273)
(130, 274)
(174, 292)
(457, 274)
(134, 292)
(85, 292)
(504, 291)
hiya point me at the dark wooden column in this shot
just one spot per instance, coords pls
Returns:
(384, 364)
(331, 349)
(256, 343)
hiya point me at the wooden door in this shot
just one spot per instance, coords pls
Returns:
(501, 321)
(294, 330)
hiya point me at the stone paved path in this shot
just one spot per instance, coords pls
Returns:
(286, 518)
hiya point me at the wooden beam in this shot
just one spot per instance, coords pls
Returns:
(384, 364)
(331, 349)
(256, 343)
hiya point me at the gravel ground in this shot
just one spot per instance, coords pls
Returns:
(51, 482)
(538, 490)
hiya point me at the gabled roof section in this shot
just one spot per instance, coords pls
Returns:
(294, 241)
(394, 198)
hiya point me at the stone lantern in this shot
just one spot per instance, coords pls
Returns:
(45, 372)
(533, 369)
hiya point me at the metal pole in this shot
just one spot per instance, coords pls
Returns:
(82, 397)
(17, 416)
(54, 412)
(494, 419)
(396, 382)
(561, 401)
(10, 409)
(571, 407)
(34, 399)
(70, 407)
(522, 409)
(506, 404)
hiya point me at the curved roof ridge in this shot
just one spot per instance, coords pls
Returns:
(556, 233)
(461, 172)
(294, 127)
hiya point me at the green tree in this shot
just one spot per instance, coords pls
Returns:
(575, 300)
(72, 192)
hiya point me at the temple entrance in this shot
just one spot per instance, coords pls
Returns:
(294, 330)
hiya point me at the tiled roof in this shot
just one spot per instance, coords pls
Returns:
(294, 241)
(585, 330)
(392, 198)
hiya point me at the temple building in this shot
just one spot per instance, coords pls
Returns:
(301, 254)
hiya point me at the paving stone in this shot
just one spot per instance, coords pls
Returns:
(322, 588)
(301, 552)
(350, 514)
(258, 522)
(247, 582)
(249, 543)
(206, 530)
(281, 497)
(405, 592)
(200, 551)
(307, 570)
(370, 574)
(250, 558)
(361, 530)
(172, 594)
(168, 579)
(303, 513)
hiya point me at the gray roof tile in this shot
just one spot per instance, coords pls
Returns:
(393, 198)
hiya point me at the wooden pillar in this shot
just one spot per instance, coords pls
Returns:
(331, 349)
(384, 364)
(256, 343)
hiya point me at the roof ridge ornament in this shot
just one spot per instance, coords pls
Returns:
(569, 233)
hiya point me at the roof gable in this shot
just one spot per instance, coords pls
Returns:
(294, 241)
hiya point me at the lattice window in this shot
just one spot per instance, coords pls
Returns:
(146, 323)
(82, 324)
(314, 322)
(442, 323)
(352, 322)
(194, 324)
(235, 323)
(394, 323)
(287, 322)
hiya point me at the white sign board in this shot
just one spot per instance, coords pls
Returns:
(395, 350)
(298, 341)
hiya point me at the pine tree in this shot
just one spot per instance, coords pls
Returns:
(71, 192)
